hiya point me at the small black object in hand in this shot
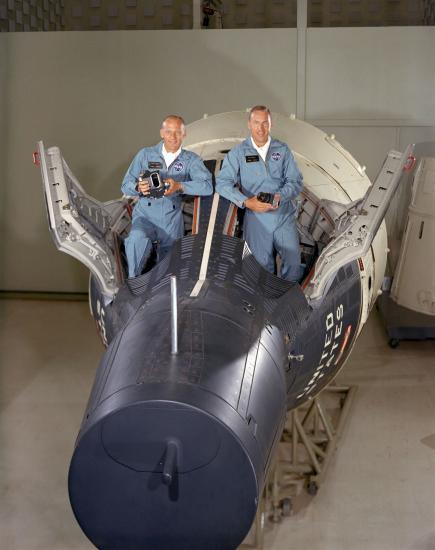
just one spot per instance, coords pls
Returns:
(157, 186)
(266, 197)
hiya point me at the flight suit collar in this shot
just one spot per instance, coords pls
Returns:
(248, 145)
(159, 149)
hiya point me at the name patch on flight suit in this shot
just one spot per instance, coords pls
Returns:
(252, 158)
(154, 165)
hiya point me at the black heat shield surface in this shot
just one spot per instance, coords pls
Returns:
(173, 450)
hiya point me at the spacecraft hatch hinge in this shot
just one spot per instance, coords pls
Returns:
(357, 226)
(80, 225)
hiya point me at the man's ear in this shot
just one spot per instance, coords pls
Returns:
(161, 133)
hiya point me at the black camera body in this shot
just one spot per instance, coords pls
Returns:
(157, 186)
(269, 198)
(266, 197)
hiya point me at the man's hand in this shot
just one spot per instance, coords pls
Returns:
(144, 187)
(257, 206)
(174, 187)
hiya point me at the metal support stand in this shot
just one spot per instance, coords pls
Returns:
(308, 443)
(255, 537)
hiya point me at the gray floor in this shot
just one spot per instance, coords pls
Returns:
(379, 493)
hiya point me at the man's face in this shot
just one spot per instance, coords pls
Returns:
(172, 133)
(259, 125)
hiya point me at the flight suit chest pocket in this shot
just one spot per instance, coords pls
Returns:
(252, 166)
(275, 165)
(177, 170)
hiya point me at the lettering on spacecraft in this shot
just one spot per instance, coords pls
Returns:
(334, 328)
(101, 322)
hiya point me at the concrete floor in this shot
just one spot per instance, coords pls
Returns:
(379, 493)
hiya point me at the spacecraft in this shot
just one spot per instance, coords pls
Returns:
(207, 351)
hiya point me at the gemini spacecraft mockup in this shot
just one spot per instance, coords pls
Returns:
(207, 351)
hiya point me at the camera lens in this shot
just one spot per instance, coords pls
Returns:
(155, 180)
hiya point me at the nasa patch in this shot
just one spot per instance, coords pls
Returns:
(276, 156)
(178, 166)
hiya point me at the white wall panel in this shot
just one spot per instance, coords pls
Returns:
(416, 134)
(101, 97)
(371, 73)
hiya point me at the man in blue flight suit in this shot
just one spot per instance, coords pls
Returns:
(161, 219)
(262, 164)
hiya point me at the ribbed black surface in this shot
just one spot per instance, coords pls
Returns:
(231, 378)
(315, 341)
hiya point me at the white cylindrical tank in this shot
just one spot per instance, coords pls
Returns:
(414, 280)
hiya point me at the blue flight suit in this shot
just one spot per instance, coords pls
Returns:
(160, 219)
(245, 174)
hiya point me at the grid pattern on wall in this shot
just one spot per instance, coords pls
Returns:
(54, 15)
(128, 14)
(233, 14)
(429, 12)
(31, 15)
(365, 13)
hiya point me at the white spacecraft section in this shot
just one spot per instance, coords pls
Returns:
(331, 203)
(330, 173)
(322, 160)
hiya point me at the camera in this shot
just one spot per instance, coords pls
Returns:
(268, 198)
(157, 186)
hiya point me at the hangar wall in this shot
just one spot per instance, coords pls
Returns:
(372, 88)
(101, 96)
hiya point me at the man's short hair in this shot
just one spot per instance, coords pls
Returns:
(259, 108)
(175, 117)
